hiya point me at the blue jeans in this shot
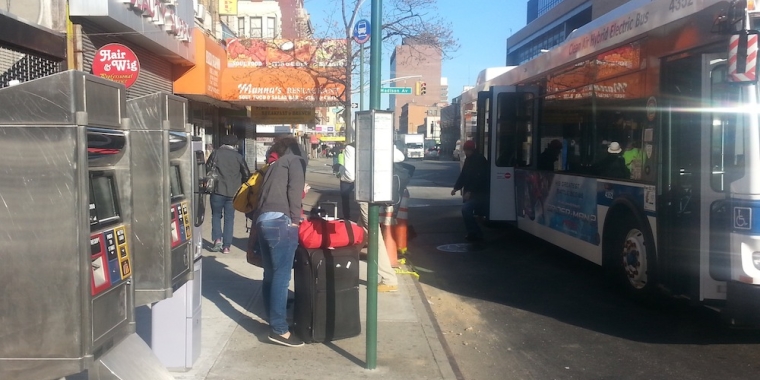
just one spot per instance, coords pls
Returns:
(474, 206)
(221, 206)
(277, 241)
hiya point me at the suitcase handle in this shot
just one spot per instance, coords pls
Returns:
(349, 232)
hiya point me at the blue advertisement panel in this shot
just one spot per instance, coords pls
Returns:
(563, 203)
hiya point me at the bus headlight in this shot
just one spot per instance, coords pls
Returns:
(756, 259)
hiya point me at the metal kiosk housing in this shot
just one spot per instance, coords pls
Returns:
(162, 167)
(68, 302)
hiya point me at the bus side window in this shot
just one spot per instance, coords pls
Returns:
(562, 119)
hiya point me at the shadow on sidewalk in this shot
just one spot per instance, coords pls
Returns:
(233, 293)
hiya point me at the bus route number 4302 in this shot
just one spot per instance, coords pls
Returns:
(677, 5)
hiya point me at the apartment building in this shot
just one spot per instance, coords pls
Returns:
(270, 19)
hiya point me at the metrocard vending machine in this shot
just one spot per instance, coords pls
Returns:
(162, 191)
(66, 264)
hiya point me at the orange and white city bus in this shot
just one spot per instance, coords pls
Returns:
(673, 83)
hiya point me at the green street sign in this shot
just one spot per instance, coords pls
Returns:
(395, 90)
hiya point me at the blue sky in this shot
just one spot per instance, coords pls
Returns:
(481, 26)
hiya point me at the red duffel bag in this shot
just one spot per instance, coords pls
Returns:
(320, 233)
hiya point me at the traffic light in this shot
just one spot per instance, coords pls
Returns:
(421, 88)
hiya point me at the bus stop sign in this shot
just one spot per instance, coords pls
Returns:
(361, 31)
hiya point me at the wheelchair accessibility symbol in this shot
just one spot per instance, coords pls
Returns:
(742, 218)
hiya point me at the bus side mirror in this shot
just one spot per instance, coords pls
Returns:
(742, 57)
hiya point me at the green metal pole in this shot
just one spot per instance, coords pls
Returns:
(374, 101)
(361, 77)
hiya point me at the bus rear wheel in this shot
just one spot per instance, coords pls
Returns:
(632, 259)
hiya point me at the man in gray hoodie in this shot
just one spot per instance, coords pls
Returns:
(232, 172)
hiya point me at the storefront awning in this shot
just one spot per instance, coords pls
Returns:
(284, 73)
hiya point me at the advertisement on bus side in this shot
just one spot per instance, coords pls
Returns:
(563, 203)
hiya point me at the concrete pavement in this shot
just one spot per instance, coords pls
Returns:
(234, 342)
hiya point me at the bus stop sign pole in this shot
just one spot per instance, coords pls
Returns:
(374, 100)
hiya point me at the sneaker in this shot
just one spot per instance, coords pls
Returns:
(226, 250)
(291, 341)
(217, 246)
(385, 288)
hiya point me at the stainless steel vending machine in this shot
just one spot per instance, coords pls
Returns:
(66, 266)
(162, 191)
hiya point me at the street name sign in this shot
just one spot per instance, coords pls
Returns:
(395, 90)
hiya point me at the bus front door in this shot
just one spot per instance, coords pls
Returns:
(512, 119)
(687, 195)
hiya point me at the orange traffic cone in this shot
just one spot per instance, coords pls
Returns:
(386, 227)
(400, 231)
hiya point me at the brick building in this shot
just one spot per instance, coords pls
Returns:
(423, 64)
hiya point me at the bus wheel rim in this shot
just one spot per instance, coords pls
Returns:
(635, 259)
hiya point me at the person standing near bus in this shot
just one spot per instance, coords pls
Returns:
(388, 281)
(473, 181)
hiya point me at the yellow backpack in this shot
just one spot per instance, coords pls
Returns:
(247, 197)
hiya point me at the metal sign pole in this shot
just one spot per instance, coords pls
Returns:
(374, 101)
(361, 77)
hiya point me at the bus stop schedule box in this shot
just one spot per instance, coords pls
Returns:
(162, 188)
(64, 225)
(374, 156)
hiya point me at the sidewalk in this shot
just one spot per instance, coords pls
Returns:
(234, 344)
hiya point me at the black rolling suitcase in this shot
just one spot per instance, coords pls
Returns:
(326, 294)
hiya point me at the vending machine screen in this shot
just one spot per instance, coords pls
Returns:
(103, 203)
(175, 181)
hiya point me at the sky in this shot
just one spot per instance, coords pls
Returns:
(481, 26)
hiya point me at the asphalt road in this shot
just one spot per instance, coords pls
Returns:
(515, 307)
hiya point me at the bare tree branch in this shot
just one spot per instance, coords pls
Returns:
(417, 20)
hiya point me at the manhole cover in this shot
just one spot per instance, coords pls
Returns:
(459, 248)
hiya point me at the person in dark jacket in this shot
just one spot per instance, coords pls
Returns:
(613, 165)
(473, 181)
(233, 171)
(277, 218)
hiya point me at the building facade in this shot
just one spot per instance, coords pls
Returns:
(413, 116)
(270, 19)
(549, 22)
(450, 122)
(419, 64)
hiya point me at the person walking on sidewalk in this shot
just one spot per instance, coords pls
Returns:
(233, 171)
(473, 181)
(277, 220)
